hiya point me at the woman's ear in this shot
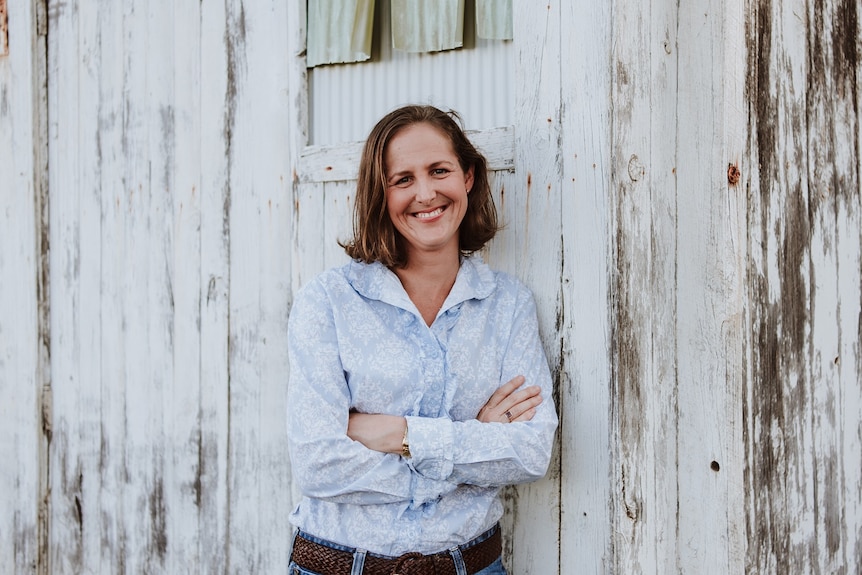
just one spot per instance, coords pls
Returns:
(468, 179)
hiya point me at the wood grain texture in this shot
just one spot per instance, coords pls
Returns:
(23, 364)
(801, 404)
(585, 387)
(644, 338)
(709, 278)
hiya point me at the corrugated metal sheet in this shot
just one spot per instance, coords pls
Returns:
(477, 81)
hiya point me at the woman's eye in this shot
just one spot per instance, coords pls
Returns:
(402, 181)
(439, 171)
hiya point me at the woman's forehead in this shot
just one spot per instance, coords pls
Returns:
(420, 142)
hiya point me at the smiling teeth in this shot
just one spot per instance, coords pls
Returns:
(424, 215)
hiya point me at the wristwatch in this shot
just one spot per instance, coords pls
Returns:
(405, 445)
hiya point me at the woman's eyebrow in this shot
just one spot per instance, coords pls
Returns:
(398, 173)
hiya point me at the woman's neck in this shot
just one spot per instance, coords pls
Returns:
(428, 283)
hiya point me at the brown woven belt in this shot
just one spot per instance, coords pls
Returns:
(328, 561)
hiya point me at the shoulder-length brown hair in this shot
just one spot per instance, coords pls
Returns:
(374, 236)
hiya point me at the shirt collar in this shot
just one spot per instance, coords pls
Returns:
(475, 280)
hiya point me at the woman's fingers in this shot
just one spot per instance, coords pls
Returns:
(525, 416)
(504, 391)
(508, 403)
(520, 406)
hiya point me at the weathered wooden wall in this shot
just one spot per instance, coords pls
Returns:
(171, 216)
(682, 190)
(802, 404)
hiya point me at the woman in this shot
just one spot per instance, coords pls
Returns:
(418, 382)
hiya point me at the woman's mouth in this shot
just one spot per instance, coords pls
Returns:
(431, 214)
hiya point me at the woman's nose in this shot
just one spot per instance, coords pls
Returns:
(425, 190)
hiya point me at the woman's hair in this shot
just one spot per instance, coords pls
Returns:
(374, 236)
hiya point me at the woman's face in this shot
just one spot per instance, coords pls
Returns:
(426, 190)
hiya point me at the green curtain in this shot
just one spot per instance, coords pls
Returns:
(339, 31)
(427, 25)
(494, 19)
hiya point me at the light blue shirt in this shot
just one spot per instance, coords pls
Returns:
(357, 342)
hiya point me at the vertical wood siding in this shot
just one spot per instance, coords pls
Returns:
(803, 391)
(585, 386)
(23, 314)
(172, 208)
(682, 190)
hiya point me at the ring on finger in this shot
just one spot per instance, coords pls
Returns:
(508, 415)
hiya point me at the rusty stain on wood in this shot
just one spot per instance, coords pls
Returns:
(733, 174)
(4, 29)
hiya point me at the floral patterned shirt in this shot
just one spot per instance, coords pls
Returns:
(357, 342)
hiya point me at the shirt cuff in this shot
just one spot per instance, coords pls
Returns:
(431, 446)
(428, 491)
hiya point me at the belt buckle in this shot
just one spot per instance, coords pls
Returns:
(412, 557)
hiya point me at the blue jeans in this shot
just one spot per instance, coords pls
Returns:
(495, 568)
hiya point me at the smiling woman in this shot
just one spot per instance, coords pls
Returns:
(419, 387)
(426, 192)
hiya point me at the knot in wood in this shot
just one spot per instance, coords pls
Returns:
(636, 168)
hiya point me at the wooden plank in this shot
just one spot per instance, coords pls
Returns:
(780, 470)
(39, 72)
(141, 515)
(110, 408)
(297, 130)
(21, 143)
(709, 275)
(644, 244)
(67, 501)
(114, 206)
(178, 141)
(271, 143)
(585, 400)
(340, 162)
(213, 410)
(259, 204)
(833, 208)
(158, 208)
(538, 261)
(244, 548)
(83, 452)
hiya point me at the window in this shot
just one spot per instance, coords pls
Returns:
(477, 80)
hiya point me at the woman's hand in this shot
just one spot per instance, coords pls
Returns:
(383, 433)
(508, 404)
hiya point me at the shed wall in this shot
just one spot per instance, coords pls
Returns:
(682, 191)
